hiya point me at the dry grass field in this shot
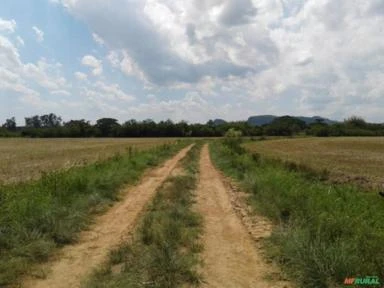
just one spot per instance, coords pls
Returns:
(26, 159)
(353, 159)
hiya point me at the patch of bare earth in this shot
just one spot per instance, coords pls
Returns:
(75, 262)
(231, 256)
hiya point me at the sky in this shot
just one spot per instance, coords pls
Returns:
(191, 60)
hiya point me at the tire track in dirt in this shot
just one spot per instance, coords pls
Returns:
(231, 258)
(75, 262)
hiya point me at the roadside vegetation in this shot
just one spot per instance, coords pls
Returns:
(324, 233)
(164, 250)
(36, 217)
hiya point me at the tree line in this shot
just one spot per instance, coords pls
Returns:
(52, 126)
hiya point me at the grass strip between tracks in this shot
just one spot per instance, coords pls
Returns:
(164, 251)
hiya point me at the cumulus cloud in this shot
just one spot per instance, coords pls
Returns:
(61, 92)
(9, 55)
(38, 103)
(192, 106)
(121, 60)
(7, 25)
(237, 12)
(21, 79)
(286, 57)
(11, 78)
(103, 91)
(81, 76)
(94, 63)
(20, 41)
(269, 47)
(98, 39)
(39, 34)
(45, 74)
(12, 82)
(113, 91)
(153, 34)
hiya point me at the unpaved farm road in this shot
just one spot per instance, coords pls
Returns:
(75, 262)
(231, 258)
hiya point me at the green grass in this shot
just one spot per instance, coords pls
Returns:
(164, 250)
(323, 232)
(39, 216)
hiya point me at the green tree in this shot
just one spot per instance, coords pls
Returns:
(33, 122)
(355, 122)
(108, 127)
(78, 128)
(285, 126)
(10, 124)
(50, 120)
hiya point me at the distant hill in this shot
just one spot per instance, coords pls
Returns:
(310, 120)
(260, 120)
(267, 119)
(216, 122)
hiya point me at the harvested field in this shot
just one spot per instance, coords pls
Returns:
(358, 160)
(26, 159)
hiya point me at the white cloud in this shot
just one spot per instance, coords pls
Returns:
(114, 58)
(98, 39)
(9, 55)
(21, 78)
(12, 82)
(104, 91)
(38, 103)
(31, 99)
(81, 76)
(114, 91)
(120, 59)
(60, 92)
(7, 25)
(20, 41)
(94, 63)
(192, 107)
(127, 65)
(194, 39)
(282, 56)
(45, 74)
(39, 34)
(11, 73)
(153, 34)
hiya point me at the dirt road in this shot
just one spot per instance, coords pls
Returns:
(231, 258)
(75, 262)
